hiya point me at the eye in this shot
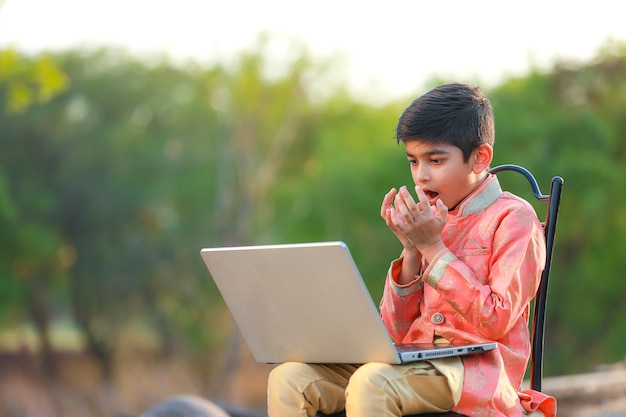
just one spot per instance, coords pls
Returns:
(413, 162)
(436, 161)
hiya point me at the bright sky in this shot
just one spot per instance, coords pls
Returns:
(389, 47)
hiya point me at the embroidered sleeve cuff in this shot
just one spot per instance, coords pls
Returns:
(406, 289)
(438, 266)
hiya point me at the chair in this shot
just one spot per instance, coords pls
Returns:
(553, 201)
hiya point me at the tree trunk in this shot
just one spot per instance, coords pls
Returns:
(40, 315)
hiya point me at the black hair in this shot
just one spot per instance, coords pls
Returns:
(453, 114)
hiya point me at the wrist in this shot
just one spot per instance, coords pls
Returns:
(431, 251)
(411, 253)
(411, 266)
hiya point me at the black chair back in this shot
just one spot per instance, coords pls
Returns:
(553, 201)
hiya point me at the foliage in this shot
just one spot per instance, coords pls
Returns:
(28, 81)
(569, 122)
(109, 190)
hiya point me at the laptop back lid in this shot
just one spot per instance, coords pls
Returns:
(300, 302)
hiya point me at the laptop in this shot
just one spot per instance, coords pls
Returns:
(307, 302)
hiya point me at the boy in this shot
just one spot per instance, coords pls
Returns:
(471, 263)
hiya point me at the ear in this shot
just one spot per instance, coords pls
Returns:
(482, 158)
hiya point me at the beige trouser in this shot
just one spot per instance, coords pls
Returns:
(370, 390)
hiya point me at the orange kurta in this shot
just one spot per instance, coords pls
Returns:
(478, 290)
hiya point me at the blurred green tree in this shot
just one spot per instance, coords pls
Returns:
(27, 81)
(569, 122)
(30, 246)
(109, 189)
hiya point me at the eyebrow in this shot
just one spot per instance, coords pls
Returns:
(436, 151)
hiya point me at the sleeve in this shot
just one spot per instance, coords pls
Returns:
(534, 400)
(399, 305)
(493, 305)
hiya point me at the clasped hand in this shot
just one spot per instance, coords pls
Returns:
(418, 226)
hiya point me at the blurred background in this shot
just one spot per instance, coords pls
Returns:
(134, 133)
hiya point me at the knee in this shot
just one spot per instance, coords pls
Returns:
(286, 374)
(370, 374)
(369, 391)
(369, 380)
(292, 389)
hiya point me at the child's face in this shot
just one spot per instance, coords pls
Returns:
(440, 170)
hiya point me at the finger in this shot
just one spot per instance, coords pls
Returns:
(389, 215)
(442, 211)
(410, 202)
(423, 199)
(397, 221)
(405, 207)
(387, 202)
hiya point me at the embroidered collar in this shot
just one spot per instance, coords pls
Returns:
(481, 198)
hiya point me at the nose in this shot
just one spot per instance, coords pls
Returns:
(421, 174)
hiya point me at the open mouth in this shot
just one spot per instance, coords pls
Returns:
(432, 195)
